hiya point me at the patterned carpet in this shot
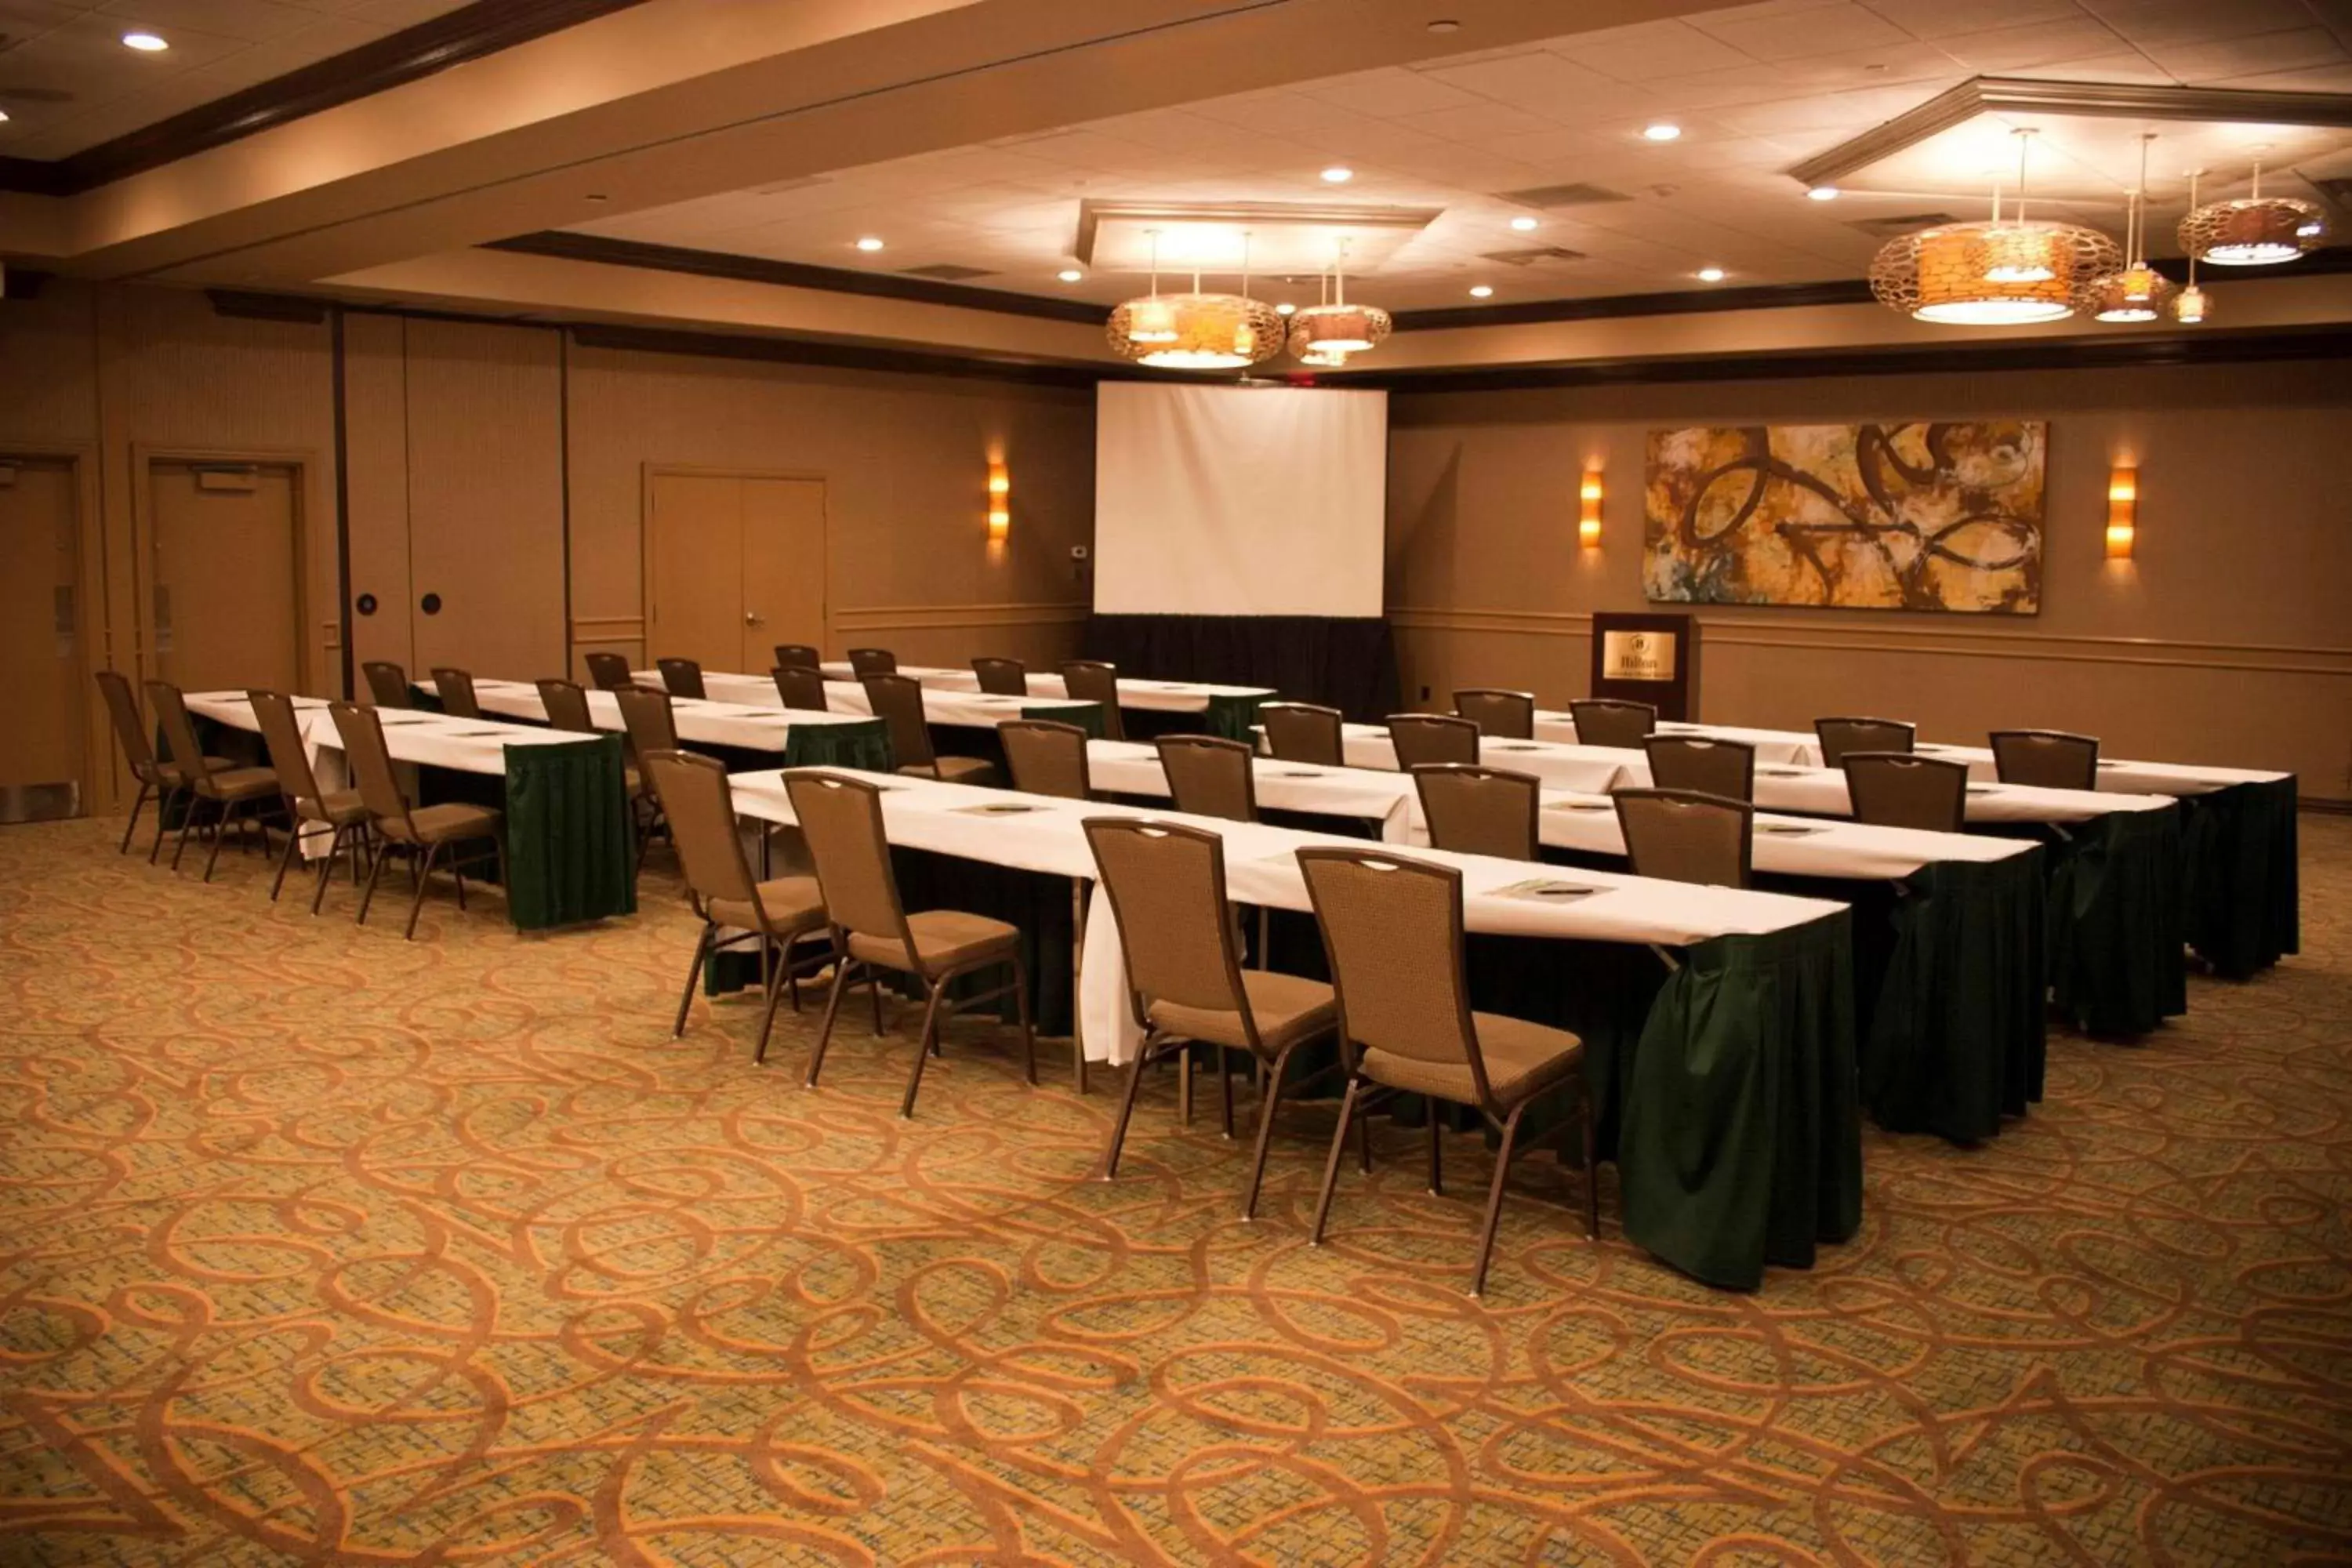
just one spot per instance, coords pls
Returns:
(316, 1247)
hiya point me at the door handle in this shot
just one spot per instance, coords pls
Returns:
(751, 618)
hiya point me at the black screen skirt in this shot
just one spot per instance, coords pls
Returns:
(1344, 663)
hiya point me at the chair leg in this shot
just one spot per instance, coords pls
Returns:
(132, 826)
(163, 815)
(1331, 1165)
(1591, 1166)
(1436, 1151)
(1225, 1085)
(1021, 1007)
(1077, 981)
(1495, 1200)
(416, 897)
(923, 1045)
(874, 984)
(768, 1019)
(228, 814)
(1265, 934)
(375, 871)
(1364, 1143)
(327, 868)
(286, 861)
(459, 877)
(832, 1007)
(1126, 1110)
(1268, 1106)
(187, 821)
(693, 973)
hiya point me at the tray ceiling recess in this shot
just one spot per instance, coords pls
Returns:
(1279, 238)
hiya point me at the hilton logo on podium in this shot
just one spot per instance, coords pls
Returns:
(1637, 655)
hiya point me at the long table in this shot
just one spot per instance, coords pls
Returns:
(564, 799)
(942, 707)
(1727, 1080)
(1228, 710)
(756, 737)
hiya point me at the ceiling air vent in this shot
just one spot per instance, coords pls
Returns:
(1578, 195)
(1895, 227)
(1533, 256)
(948, 272)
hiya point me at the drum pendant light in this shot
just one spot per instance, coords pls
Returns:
(1197, 331)
(1339, 327)
(2004, 272)
(2254, 230)
(2139, 292)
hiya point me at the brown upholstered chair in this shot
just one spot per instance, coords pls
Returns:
(1303, 732)
(1839, 736)
(1699, 763)
(388, 684)
(1004, 676)
(841, 818)
(801, 686)
(1210, 777)
(1185, 982)
(1607, 721)
(866, 661)
(421, 833)
(1393, 931)
(1422, 738)
(798, 656)
(342, 813)
(897, 701)
(1092, 680)
(694, 796)
(568, 710)
(456, 689)
(1505, 715)
(650, 724)
(1047, 758)
(1898, 789)
(1687, 836)
(608, 671)
(158, 776)
(229, 791)
(681, 677)
(1471, 810)
(2046, 759)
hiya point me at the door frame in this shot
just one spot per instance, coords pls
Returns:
(650, 471)
(144, 456)
(94, 628)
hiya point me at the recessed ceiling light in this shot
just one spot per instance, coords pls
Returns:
(1338, 175)
(145, 43)
(1823, 193)
(869, 243)
(1070, 275)
(1523, 223)
(1710, 274)
(1662, 130)
(3, 117)
(1481, 291)
(1285, 309)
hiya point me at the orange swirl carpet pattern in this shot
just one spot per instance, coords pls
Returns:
(316, 1247)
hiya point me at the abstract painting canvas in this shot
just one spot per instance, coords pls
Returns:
(1884, 516)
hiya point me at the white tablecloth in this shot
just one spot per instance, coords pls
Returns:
(703, 722)
(1129, 767)
(846, 700)
(1157, 696)
(1594, 769)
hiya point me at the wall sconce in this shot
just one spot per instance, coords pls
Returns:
(1588, 517)
(2122, 505)
(999, 504)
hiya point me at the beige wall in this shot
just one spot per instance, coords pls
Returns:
(2226, 640)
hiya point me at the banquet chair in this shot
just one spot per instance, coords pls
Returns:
(798, 656)
(1185, 984)
(456, 689)
(841, 818)
(1002, 676)
(1726, 768)
(1839, 736)
(1606, 721)
(1897, 789)
(227, 790)
(1092, 680)
(567, 709)
(609, 672)
(1687, 836)
(342, 813)
(420, 833)
(388, 684)
(2046, 759)
(1209, 776)
(897, 701)
(866, 661)
(1047, 758)
(1471, 810)
(1505, 715)
(802, 686)
(158, 776)
(682, 678)
(1303, 732)
(776, 914)
(1393, 931)
(1420, 738)
(649, 724)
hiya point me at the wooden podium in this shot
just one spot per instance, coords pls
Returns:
(1645, 657)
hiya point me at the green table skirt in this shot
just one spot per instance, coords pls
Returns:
(2115, 920)
(570, 855)
(1235, 718)
(864, 745)
(2240, 897)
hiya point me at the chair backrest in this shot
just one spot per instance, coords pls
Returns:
(1303, 732)
(1393, 934)
(798, 656)
(370, 762)
(1092, 680)
(130, 729)
(800, 686)
(567, 706)
(179, 731)
(1472, 810)
(1726, 768)
(456, 689)
(681, 677)
(1839, 736)
(282, 732)
(1420, 738)
(2048, 759)
(1209, 776)
(1047, 758)
(1897, 789)
(897, 701)
(645, 714)
(841, 819)
(1505, 715)
(1166, 887)
(699, 807)
(1607, 721)
(610, 671)
(1687, 836)
(1004, 676)
(866, 661)
(388, 684)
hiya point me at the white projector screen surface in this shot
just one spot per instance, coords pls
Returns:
(1229, 500)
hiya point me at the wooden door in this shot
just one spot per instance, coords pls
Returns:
(41, 652)
(784, 566)
(734, 565)
(224, 590)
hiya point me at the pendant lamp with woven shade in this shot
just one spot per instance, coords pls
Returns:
(1195, 331)
(2004, 272)
(1336, 327)
(2139, 292)
(2253, 230)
